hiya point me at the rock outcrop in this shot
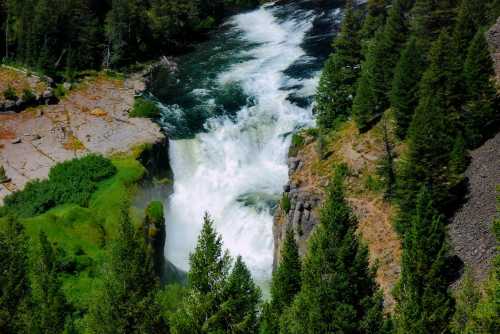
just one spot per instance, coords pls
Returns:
(92, 118)
(310, 173)
(471, 228)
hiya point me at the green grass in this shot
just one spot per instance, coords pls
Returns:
(144, 108)
(84, 233)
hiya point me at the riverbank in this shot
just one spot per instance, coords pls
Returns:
(93, 117)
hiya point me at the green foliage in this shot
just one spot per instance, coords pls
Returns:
(154, 212)
(59, 91)
(338, 291)
(10, 94)
(336, 88)
(144, 108)
(72, 181)
(28, 96)
(49, 305)
(374, 20)
(14, 292)
(404, 93)
(284, 286)
(297, 143)
(126, 303)
(218, 301)
(424, 304)
(480, 110)
(285, 203)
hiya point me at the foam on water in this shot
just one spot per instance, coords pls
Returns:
(241, 160)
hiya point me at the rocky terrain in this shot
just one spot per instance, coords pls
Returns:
(93, 117)
(470, 230)
(310, 173)
(493, 36)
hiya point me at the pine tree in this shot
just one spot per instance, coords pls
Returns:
(480, 111)
(49, 305)
(207, 277)
(424, 304)
(467, 300)
(374, 20)
(14, 289)
(338, 292)
(126, 303)
(239, 309)
(367, 105)
(284, 286)
(405, 87)
(337, 84)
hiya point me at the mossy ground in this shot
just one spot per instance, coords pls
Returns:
(83, 235)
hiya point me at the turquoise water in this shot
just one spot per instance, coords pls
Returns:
(230, 110)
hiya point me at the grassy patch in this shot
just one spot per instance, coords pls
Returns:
(285, 203)
(82, 234)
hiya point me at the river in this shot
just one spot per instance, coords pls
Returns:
(230, 111)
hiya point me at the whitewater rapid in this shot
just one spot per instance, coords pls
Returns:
(236, 169)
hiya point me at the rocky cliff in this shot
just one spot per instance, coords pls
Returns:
(310, 168)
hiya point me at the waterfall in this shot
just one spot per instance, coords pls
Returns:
(236, 167)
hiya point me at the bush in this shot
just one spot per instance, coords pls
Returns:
(60, 91)
(144, 108)
(28, 96)
(72, 182)
(285, 203)
(297, 143)
(10, 94)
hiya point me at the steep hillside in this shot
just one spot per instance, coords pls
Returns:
(311, 165)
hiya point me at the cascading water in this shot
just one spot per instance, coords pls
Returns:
(232, 109)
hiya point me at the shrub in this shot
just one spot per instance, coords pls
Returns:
(285, 203)
(72, 182)
(28, 96)
(10, 94)
(60, 91)
(144, 108)
(297, 143)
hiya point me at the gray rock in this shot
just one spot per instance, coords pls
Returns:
(9, 105)
(67, 86)
(48, 94)
(16, 141)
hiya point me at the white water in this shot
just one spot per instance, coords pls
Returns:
(243, 156)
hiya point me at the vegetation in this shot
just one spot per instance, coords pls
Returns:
(338, 292)
(60, 37)
(71, 182)
(77, 257)
(144, 108)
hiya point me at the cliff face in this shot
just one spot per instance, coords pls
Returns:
(92, 118)
(310, 168)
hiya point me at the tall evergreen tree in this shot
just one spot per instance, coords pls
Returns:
(372, 96)
(338, 292)
(126, 302)
(284, 286)
(374, 20)
(14, 283)
(207, 277)
(404, 93)
(49, 306)
(424, 304)
(337, 84)
(480, 110)
(238, 312)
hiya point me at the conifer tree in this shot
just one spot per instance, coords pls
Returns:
(239, 308)
(405, 87)
(480, 110)
(126, 303)
(207, 277)
(337, 84)
(424, 304)
(284, 286)
(428, 17)
(49, 306)
(14, 290)
(430, 138)
(374, 20)
(338, 292)
(372, 96)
